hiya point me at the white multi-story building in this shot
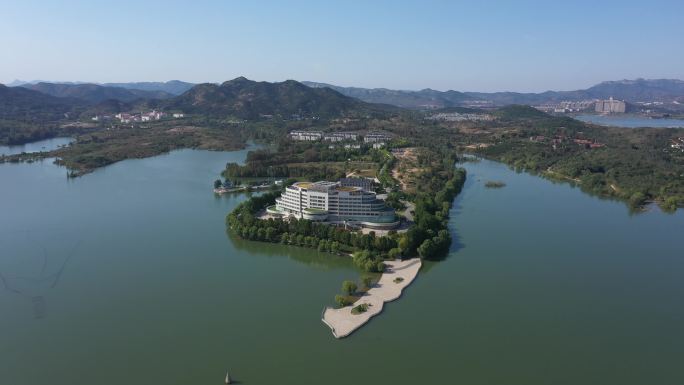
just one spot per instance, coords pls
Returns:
(611, 106)
(376, 137)
(311, 136)
(321, 201)
(340, 136)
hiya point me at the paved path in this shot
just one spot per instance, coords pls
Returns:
(343, 322)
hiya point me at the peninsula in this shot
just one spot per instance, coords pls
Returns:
(387, 206)
(397, 276)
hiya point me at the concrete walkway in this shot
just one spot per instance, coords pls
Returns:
(342, 322)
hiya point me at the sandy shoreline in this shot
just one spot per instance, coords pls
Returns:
(342, 322)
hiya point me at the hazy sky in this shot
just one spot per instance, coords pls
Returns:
(464, 45)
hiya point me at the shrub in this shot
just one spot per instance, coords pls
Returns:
(349, 287)
(342, 300)
(394, 253)
(362, 308)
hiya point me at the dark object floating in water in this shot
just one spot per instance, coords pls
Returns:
(495, 184)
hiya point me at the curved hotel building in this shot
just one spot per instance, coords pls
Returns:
(331, 201)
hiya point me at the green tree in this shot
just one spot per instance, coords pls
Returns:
(341, 300)
(427, 249)
(349, 287)
(403, 243)
(217, 183)
(367, 281)
(637, 199)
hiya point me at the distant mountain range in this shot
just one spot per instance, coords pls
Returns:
(249, 99)
(173, 87)
(93, 93)
(657, 90)
(240, 97)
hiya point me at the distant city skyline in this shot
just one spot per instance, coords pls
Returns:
(523, 46)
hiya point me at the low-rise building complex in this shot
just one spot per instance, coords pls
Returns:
(376, 137)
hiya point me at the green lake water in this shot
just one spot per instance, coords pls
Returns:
(127, 276)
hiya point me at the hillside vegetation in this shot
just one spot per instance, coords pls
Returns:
(93, 93)
(246, 99)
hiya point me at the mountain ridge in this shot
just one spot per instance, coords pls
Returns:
(94, 93)
(661, 90)
(248, 99)
(173, 87)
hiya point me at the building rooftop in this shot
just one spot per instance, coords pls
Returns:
(303, 185)
(348, 188)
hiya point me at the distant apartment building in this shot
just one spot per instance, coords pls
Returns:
(376, 137)
(310, 136)
(567, 106)
(143, 117)
(575, 106)
(459, 117)
(340, 136)
(610, 106)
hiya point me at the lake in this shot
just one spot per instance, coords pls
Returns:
(41, 145)
(127, 276)
(630, 121)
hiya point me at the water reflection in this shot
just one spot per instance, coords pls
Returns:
(312, 258)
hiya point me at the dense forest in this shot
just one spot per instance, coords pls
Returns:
(633, 165)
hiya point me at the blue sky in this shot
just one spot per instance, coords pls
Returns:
(463, 45)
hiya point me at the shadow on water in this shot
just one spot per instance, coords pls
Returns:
(310, 257)
(457, 243)
(36, 271)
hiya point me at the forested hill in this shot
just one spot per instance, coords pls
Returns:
(249, 99)
(21, 104)
(94, 93)
(27, 115)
